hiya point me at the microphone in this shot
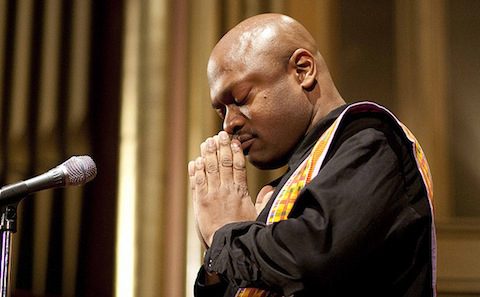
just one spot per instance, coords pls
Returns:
(77, 170)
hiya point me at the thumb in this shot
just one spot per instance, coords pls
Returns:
(263, 197)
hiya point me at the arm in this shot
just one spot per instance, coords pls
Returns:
(220, 196)
(339, 221)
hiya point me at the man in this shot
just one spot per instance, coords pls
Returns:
(351, 216)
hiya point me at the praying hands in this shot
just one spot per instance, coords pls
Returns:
(218, 180)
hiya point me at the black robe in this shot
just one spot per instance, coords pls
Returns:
(361, 227)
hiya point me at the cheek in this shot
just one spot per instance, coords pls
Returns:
(288, 108)
(283, 120)
(245, 110)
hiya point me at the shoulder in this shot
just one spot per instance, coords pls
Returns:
(370, 128)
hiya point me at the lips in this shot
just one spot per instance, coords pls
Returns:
(246, 142)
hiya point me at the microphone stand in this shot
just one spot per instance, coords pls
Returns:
(8, 226)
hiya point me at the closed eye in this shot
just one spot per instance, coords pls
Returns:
(221, 112)
(238, 101)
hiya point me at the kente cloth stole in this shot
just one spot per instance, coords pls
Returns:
(310, 167)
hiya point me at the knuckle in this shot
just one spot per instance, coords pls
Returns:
(226, 161)
(240, 177)
(242, 190)
(211, 167)
(199, 180)
(204, 203)
(239, 163)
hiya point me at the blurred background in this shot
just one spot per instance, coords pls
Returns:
(125, 82)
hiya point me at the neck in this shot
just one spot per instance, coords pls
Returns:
(324, 105)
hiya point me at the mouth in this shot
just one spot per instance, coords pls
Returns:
(246, 142)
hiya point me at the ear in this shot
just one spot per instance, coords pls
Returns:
(305, 68)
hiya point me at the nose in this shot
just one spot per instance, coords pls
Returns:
(234, 119)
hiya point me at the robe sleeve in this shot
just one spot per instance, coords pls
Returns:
(202, 290)
(339, 224)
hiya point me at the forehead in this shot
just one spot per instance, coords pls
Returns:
(223, 76)
(243, 52)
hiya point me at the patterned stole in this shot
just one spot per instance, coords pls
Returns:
(310, 167)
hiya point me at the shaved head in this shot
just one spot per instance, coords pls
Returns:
(268, 35)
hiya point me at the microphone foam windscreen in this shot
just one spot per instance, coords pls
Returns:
(79, 170)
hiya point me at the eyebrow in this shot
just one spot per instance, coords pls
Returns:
(222, 94)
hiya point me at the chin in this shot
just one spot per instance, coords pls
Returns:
(266, 164)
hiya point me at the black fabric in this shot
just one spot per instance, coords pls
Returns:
(212, 290)
(361, 227)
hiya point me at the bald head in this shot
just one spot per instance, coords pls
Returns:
(267, 35)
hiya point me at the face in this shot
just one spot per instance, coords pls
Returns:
(262, 104)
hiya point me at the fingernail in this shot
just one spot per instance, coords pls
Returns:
(235, 147)
(223, 135)
(211, 144)
(199, 163)
(203, 146)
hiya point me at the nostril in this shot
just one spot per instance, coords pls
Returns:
(227, 127)
(234, 119)
(232, 126)
(235, 130)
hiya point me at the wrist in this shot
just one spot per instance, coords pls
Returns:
(211, 278)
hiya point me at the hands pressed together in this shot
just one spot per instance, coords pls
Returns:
(218, 180)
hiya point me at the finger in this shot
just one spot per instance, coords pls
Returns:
(191, 179)
(215, 137)
(225, 158)
(264, 193)
(263, 197)
(209, 153)
(191, 174)
(200, 178)
(239, 169)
